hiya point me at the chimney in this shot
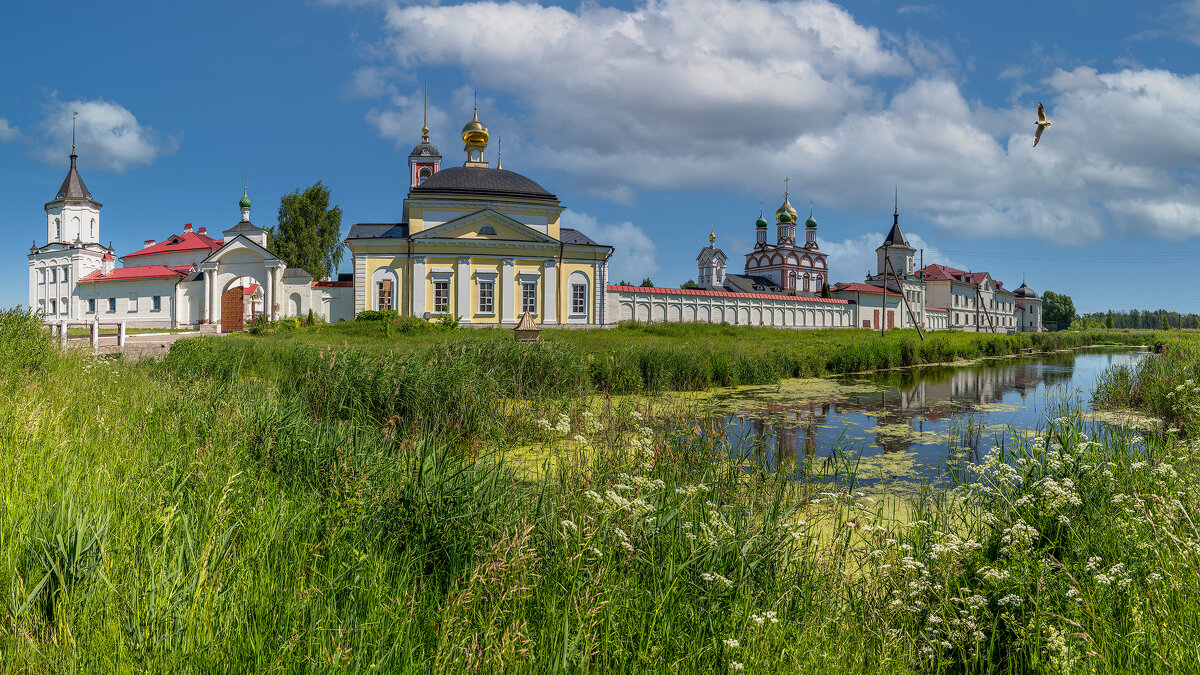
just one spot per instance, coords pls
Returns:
(187, 227)
(148, 244)
(202, 230)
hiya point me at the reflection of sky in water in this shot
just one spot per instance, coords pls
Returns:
(918, 421)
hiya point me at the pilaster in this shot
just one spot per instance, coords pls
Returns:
(463, 282)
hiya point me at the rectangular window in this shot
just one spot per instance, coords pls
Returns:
(441, 296)
(529, 297)
(112, 304)
(53, 274)
(383, 298)
(156, 303)
(578, 299)
(486, 295)
(92, 306)
(53, 307)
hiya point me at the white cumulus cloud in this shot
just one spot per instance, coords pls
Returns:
(7, 131)
(737, 94)
(108, 136)
(635, 254)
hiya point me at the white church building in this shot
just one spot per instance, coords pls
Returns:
(189, 279)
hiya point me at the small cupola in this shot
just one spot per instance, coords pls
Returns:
(244, 204)
(475, 140)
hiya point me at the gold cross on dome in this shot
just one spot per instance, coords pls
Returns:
(245, 181)
(786, 185)
(810, 206)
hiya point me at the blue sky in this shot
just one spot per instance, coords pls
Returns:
(652, 122)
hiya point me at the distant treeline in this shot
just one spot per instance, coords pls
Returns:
(1153, 319)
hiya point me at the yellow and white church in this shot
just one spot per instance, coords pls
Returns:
(484, 245)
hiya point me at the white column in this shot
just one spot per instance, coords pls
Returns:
(272, 278)
(508, 283)
(464, 289)
(550, 295)
(418, 287)
(207, 315)
(599, 280)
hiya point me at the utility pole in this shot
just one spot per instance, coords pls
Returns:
(903, 297)
(883, 297)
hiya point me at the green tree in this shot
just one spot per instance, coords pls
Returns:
(1057, 308)
(1108, 319)
(309, 234)
(826, 292)
(690, 284)
(1166, 325)
(646, 283)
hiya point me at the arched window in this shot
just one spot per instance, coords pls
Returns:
(423, 174)
(807, 283)
(792, 280)
(93, 238)
(385, 286)
(57, 230)
(578, 290)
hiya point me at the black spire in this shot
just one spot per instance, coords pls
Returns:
(72, 186)
(895, 236)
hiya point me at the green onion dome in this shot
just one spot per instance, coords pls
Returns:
(245, 202)
(811, 222)
(761, 222)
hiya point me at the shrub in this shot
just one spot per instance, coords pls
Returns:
(376, 315)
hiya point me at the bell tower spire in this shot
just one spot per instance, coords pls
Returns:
(424, 160)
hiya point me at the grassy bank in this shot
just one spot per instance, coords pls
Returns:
(633, 358)
(212, 516)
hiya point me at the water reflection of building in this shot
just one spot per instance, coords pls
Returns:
(919, 402)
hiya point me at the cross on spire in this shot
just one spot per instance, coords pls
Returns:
(499, 152)
(810, 207)
(245, 182)
(786, 182)
(73, 116)
(760, 207)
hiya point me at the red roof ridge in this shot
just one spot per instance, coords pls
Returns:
(332, 284)
(188, 241)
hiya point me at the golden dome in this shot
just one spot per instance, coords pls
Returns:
(475, 132)
(787, 208)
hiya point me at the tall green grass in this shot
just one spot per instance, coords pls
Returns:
(204, 514)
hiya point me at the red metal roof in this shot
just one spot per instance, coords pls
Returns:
(135, 273)
(188, 241)
(333, 284)
(936, 309)
(727, 294)
(861, 288)
(249, 290)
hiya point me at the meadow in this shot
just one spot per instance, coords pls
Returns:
(281, 502)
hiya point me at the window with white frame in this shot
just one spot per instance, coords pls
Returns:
(487, 294)
(578, 299)
(441, 296)
(383, 294)
(54, 307)
(529, 297)
(112, 304)
(53, 274)
(91, 305)
(156, 303)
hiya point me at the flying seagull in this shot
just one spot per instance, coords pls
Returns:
(1042, 124)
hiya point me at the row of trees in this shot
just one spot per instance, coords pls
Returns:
(1160, 319)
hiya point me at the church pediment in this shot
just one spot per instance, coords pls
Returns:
(240, 249)
(485, 224)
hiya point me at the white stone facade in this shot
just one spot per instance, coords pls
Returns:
(674, 305)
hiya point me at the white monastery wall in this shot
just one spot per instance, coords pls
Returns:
(673, 305)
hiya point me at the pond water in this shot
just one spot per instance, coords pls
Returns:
(912, 423)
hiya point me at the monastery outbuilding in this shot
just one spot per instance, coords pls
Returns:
(189, 279)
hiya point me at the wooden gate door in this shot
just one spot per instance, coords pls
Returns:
(231, 310)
